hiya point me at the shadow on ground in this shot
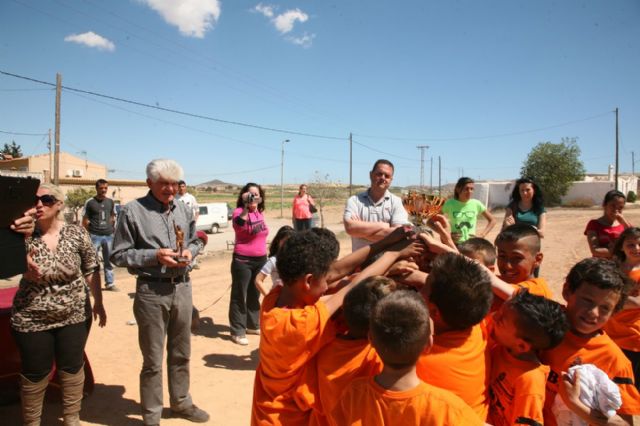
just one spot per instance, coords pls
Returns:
(232, 362)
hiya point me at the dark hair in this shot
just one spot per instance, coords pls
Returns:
(618, 251)
(240, 203)
(181, 182)
(360, 300)
(300, 187)
(383, 161)
(303, 253)
(284, 232)
(518, 231)
(101, 182)
(611, 195)
(460, 289)
(477, 245)
(602, 273)
(460, 184)
(400, 328)
(538, 199)
(329, 239)
(540, 321)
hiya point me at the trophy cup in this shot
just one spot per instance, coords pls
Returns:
(179, 244)
(421, 208)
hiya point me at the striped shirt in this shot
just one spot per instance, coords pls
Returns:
(144, 226)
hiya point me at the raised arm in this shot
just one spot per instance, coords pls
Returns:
(508, 218)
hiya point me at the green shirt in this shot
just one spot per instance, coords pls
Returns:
(463, 216)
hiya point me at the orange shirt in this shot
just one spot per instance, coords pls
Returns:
(537, 286)
(516, 389)
(338, 364)
(289, 339)
(366, 403)
(624, 326)
(457, 362)
(604, 354)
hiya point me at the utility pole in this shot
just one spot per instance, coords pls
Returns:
(350, 164)
(633, 164)
(282, 178)
(50, 146)
(422, 148)
(616, 186)
(431, 175)
(56, 159)
(439, 176)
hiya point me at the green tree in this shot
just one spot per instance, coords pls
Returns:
(76, 198)
(14, 149)
(554, 166)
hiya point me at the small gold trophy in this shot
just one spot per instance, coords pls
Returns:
(421, 208)
(180, 244)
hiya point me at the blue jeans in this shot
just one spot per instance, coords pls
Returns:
(104, 242)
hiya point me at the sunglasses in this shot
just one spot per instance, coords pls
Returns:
(46, 199)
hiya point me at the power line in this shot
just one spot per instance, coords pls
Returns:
(175, 111)
(23, 134)
(383, 152)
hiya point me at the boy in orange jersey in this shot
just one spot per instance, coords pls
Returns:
(479, 249)
(350, 355)
(594, 289)
(295, 323)
(458, 292)
(524, 325)
(400, 331)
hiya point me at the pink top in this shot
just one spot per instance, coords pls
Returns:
(301, 207)
(607, 235)
(251, 237)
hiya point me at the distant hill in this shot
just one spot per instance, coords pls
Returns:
(214, 183)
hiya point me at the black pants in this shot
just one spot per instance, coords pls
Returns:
(244, 307)
(38, 349)
(302, 224)
(634, 357)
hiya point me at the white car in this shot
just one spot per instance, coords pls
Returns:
(213, 216)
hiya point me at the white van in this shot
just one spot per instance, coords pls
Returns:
(212, 217)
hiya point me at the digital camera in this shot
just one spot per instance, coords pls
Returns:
(251, 197)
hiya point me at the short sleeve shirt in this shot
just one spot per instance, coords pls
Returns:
(607, 235)
(99, 213)
(463, 216)
(388, 209)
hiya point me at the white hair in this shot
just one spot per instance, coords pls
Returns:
(164, 168)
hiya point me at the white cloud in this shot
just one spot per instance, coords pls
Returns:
(304, 40)
(265, 9)
(284, 22)
(192, 17)
(91, 39)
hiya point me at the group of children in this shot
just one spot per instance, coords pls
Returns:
(415, 330)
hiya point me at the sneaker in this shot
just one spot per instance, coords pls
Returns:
(111, 287)
(254, 331)
(193, 414)
(239, 340)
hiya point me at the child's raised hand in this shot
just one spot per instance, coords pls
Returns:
(400, 233)
(440, 224)
(402, 268)
(570, 390)
(413, 249)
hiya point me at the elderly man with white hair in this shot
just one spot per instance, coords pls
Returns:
(146, 241)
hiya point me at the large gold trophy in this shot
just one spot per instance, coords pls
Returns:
(421, 208)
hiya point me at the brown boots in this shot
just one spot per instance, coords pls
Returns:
(32, 396)
(72, 386)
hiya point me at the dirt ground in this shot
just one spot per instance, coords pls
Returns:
(221, 372)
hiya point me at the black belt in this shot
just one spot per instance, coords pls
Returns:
(172, 280)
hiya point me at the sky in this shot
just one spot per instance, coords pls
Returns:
(478, 82)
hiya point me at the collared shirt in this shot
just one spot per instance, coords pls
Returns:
(190, 201)
(388, 209)
(144, 226)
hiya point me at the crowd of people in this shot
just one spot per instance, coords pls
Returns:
(414, 326)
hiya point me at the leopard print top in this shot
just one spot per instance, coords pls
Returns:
(59, 296)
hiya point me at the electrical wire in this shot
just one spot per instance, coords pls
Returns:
(23, 134)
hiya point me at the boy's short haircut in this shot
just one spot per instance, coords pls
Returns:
(303, 253)
(329, 239)
(602, 273)
(540, 321)
(400, 328)
(360, 300)
(518, 231)
(101, 182)
(481, 246)
(460, 289)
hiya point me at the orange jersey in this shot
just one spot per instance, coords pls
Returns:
(604, 354)
(457, 362)
(289, 339)
(516, 390)
(365, 403)
(536, 286)
(338, 364)
(624, 326)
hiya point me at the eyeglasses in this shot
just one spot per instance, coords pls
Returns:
(467, 215)
(46, 199)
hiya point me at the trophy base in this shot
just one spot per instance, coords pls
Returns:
(181, 259)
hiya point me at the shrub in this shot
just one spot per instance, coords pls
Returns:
(632, 197)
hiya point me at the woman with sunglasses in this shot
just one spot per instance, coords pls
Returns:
(463, 211)
(51, 313)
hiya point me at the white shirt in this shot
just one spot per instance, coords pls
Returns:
(190, 201)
